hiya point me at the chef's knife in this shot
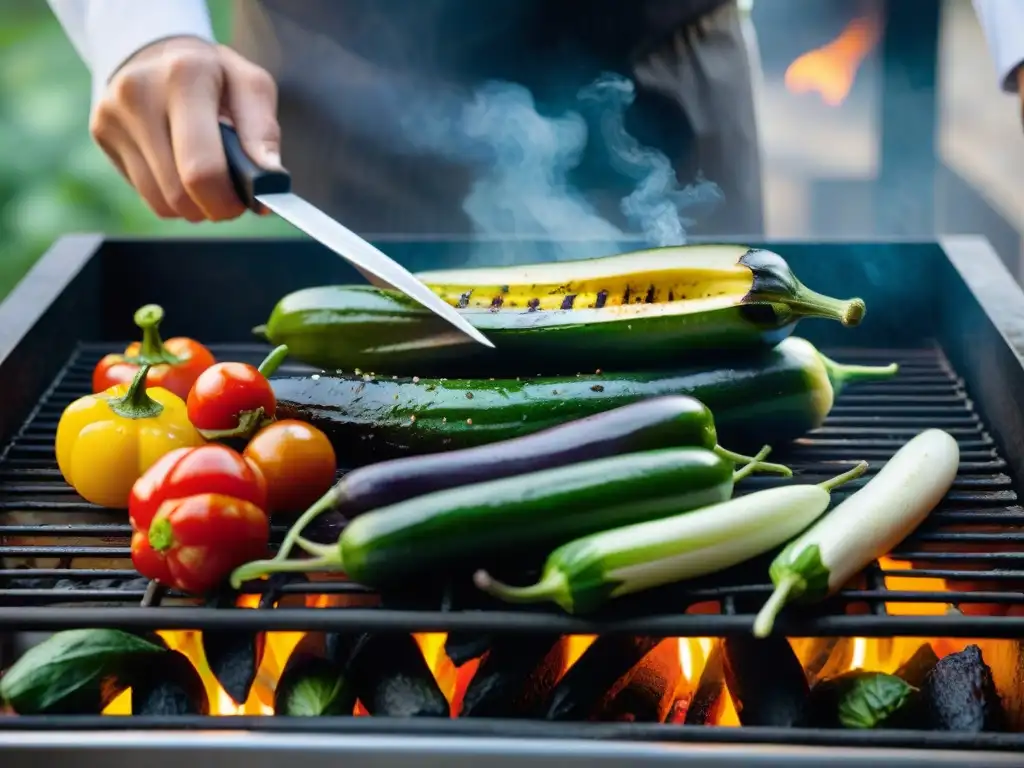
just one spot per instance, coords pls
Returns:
(259, 187)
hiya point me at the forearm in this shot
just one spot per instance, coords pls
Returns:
(1003, 24)
(107, 32)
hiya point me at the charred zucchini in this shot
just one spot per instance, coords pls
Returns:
(769, 398)
(653, 308)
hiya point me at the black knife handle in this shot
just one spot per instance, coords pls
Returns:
(248, 179)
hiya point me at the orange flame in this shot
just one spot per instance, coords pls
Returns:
(875, 654)
(832, 69)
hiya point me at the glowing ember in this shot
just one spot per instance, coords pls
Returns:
(831, 70)
(875, 654)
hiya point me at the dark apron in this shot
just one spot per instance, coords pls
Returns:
(373, 99)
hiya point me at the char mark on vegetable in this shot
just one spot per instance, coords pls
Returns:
(568, 301)
(602, 298)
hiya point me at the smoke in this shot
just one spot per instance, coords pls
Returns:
(522, 190)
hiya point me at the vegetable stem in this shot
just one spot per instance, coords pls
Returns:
(840, 374)
(759, 466)
(752, 465)
(136, 403)
(317, 550)
(808, 303)
(791, 584)
(152, 349)
(277, 356)
(258, 568)
(852, 474)
(321, 505)
(552, 586)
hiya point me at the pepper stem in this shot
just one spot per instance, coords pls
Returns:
(840, 374)
(833, 483)
(260, 332)
(739, 474)
(259, 568)
(808, 303)
(277, 356)
(552, 586)
(321, 505)
(759, 466)
(161, 535)
(152, 349)
(790, 585)
(136, 403)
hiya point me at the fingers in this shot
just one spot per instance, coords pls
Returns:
(158, 123)
(251, 99)
(193, 111)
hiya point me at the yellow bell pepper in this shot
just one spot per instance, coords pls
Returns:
(106, 441)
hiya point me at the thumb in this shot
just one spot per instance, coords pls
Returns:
(251, 100)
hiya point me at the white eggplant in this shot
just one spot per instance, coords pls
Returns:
(581, 575)
(865, 526)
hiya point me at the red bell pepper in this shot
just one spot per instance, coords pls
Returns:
(203, 538)
(175, 363)
(234, 400)
(196, 515)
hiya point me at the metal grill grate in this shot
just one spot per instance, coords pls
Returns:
(66, 563)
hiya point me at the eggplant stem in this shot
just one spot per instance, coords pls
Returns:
(762, 466)
(751, 465)
(320, 506)
(808, 303)
(764, 622)
(319, 551)
(258, 568)
(852, 474)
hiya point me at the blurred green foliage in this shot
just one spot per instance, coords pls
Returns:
(53, 179)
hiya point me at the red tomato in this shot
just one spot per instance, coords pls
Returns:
(297, 461)
(203, 538)
(225, 394)
(185, 472)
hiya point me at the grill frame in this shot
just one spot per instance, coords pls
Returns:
(85, 289)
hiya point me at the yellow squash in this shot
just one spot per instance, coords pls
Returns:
(106, 441)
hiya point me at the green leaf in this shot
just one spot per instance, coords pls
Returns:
(870, 698)
(313, 687)
(80, 670)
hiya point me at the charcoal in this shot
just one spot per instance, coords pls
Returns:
(515, 676)
(234, 656)
(915, 669)
(466, 646)
(170, 687)
(765, 680)
(582, 690)
(646, 696)
(961, 695)
(391, 678)
(705, 705)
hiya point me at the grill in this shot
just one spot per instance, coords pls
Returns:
(949, 313)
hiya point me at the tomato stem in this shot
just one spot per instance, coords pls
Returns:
(136, 403)
(277, 356)
(249, 422)
(152, 349)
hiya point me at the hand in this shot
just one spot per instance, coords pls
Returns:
(158, 123)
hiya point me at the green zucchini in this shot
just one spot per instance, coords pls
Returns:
(653, 308)
(772, 397)
(513, 516)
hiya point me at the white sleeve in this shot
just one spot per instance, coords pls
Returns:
(1003, 23)
(107, 32)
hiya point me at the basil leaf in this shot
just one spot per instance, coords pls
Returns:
(870, 698)
(77, 671)
(313, 687)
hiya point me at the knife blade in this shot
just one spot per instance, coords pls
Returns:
(258, 187)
